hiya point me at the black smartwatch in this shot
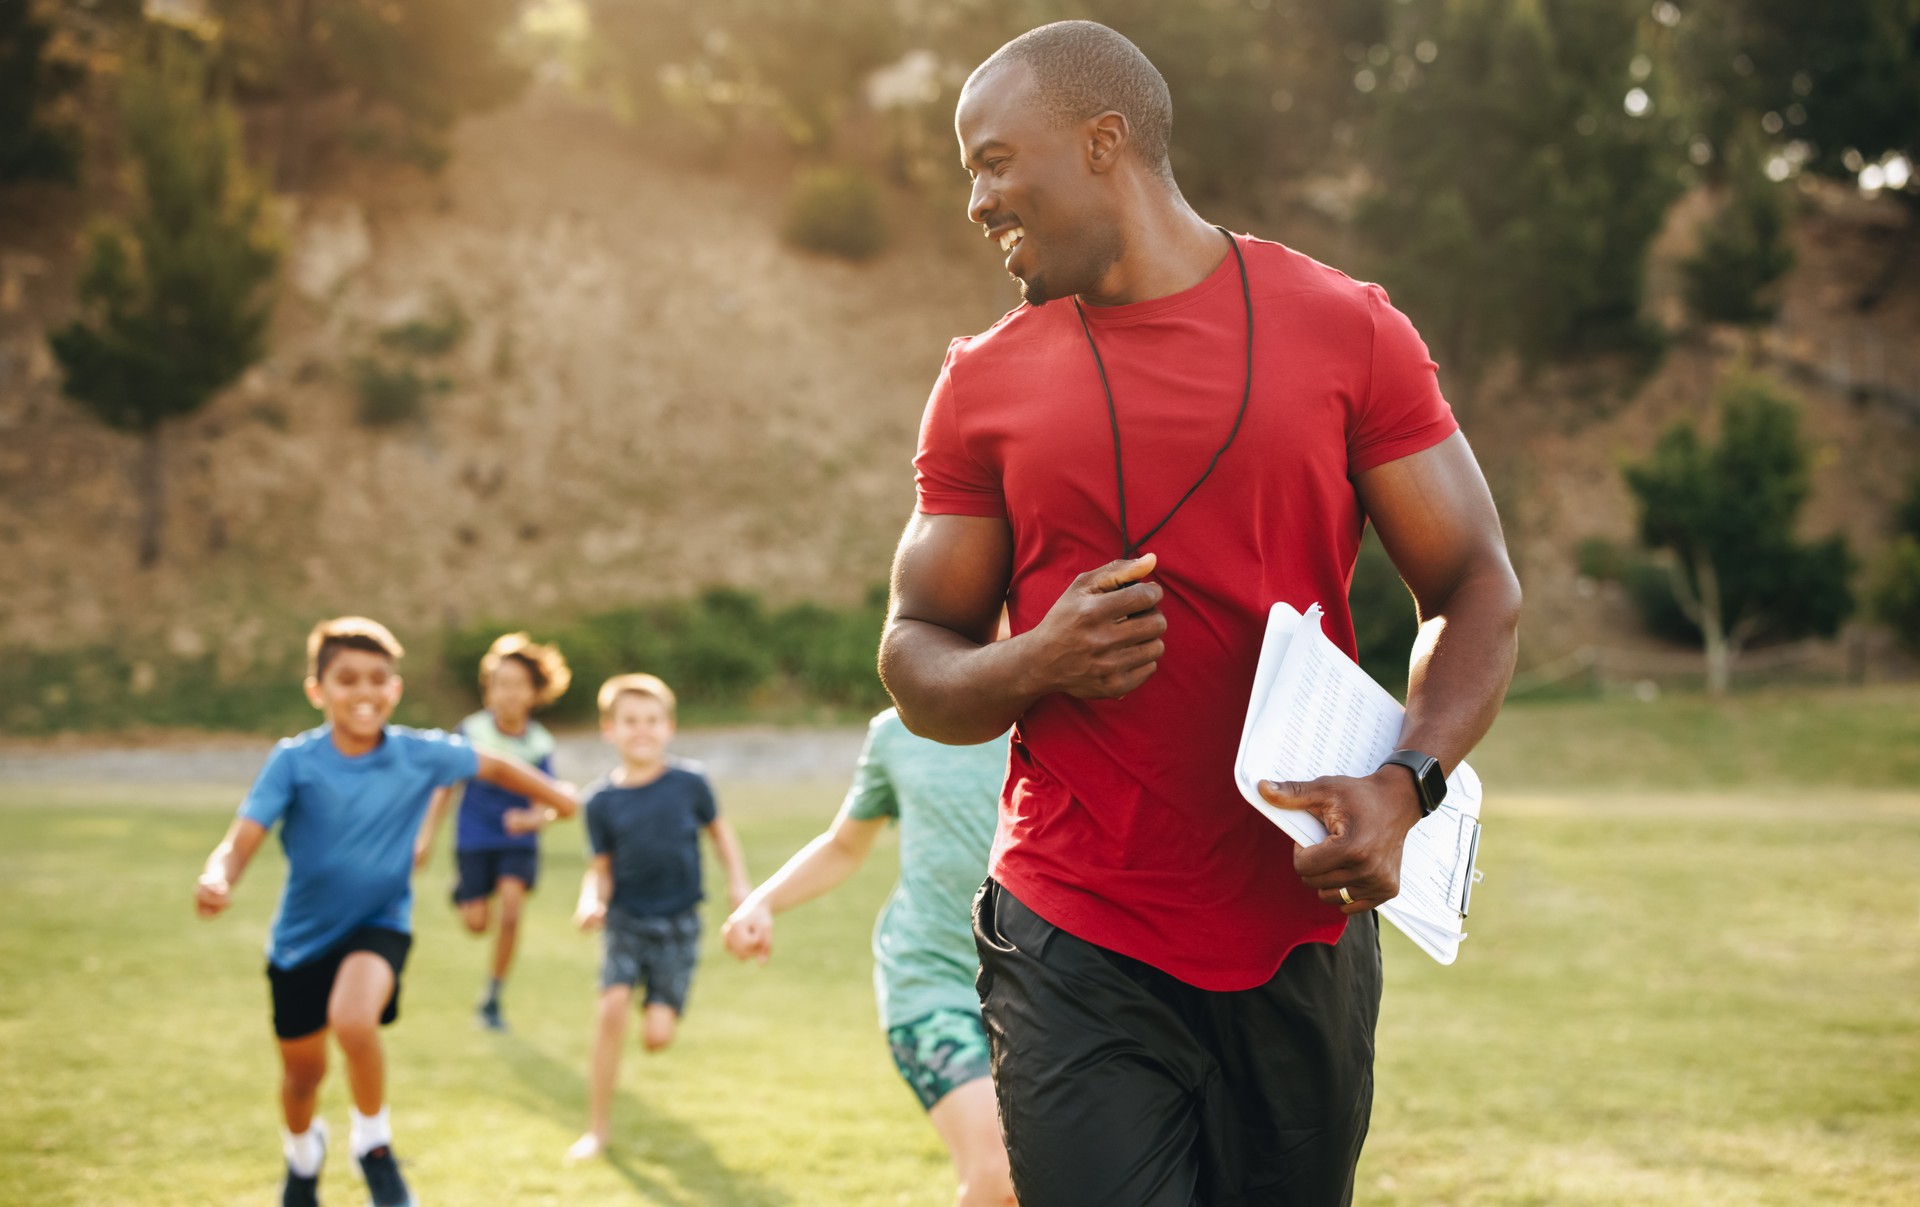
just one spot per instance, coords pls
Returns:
(1427, 777)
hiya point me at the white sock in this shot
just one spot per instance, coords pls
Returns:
(306, 1150)
(370, 1131)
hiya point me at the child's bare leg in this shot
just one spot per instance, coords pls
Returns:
(360, 993)
(610, 1031)
(657, 1029)
(303, 1064)
(968, 1120)
(513, 894)
(473, 915)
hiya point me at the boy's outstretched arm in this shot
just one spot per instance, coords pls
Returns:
(727, 846)
(815, 869)
(596, 890)
(430, 828)
(557, 799)
(214, 892)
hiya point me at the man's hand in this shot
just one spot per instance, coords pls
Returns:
(212, 894)
(1367, 821)
(525, 821)
(422, 854)
(1101, 638)
(749, 933)
(590, 917)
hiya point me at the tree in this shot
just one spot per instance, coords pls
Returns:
(1724, 516)
(405, 71)
(30, 148)
(1744, 251)
(1522, 164)
(173, 302)
(800, 64)
(1837, 84)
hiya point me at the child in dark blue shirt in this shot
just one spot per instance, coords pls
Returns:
(643, 885)
(517, 676)
(349, 797)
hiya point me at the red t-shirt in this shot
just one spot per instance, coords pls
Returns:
(1120, 821)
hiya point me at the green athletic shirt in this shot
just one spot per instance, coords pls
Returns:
(947, 801)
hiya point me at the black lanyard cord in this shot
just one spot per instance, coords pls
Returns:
(1129, 547)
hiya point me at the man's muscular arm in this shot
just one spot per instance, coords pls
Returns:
(1436, 519)
(951, 682)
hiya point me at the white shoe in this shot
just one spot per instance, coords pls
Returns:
(586, 1148)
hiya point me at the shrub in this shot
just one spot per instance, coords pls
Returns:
(390, 395)
(1896, 591)
(837, 211)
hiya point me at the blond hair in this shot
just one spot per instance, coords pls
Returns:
(649, 686)
(329, 637)
(544, 663)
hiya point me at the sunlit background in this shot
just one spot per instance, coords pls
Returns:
(613, 320)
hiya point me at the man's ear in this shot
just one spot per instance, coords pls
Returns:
(312, 686)
(1107, 137)
(397, 685)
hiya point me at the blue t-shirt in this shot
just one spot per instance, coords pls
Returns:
(483, 806)
(652, 833)
(347, 826)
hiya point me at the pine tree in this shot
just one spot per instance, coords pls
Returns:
(173, 303)
(30, 148)
(1725, 516)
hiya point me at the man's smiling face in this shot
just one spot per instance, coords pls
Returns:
(1034, 191)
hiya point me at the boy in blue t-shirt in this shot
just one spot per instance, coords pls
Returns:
(349, 797)
(517, 676)
(643, 884)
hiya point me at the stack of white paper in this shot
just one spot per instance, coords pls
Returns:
(1314, 713)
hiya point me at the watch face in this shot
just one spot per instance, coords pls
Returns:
(1433, 782)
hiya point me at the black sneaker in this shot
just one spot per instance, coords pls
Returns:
(384, 1182)
(488, 1016)
(297, 1191)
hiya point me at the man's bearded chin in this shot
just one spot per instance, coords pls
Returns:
(1034, 292)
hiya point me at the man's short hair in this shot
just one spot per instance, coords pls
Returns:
(545, 666)
(649, 686)
(329, 637)
(1082, 69)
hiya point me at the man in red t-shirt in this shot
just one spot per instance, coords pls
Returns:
(1181, 1003)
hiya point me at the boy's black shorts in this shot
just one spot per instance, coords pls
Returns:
(481, 871)
(300, 994)
(1123, 1086)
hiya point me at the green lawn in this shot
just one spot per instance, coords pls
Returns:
(1699, 998)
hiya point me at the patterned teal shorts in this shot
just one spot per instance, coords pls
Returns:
(940, 1052)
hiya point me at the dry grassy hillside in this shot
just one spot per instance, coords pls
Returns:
(655, 395)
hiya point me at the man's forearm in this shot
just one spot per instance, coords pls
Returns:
(1462, 663)
(950, 689)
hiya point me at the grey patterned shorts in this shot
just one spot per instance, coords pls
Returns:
(658, 953)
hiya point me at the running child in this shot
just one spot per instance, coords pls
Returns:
(349, 797)
(517, 676)
(642, 887)
(946, 799)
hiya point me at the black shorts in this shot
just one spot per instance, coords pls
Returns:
(1121, 1085)
(481, 871)
(300, 994)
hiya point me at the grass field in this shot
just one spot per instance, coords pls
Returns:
(1709, 997)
